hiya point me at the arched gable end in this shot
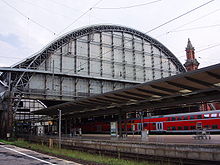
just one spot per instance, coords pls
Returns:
(34, 61)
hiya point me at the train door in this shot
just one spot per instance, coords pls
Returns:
(159, 126)
(132, 127)
(99, 128)
(199, 125)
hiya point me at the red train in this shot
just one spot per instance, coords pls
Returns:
(175, 123)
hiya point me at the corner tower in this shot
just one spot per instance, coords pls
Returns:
(191, 63)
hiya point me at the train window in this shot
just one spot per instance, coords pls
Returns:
(169, 118)
(199, 116)
(173, 128)
(186, 127)
(206, 126)
(191, 117)
(168, 129)
(192, 127)
(179, 128)
(179, 118)
(173, 118)
(214, 126)
(206, 115)
(154, 124)
(145, 124)
(185, 118)
(214, 115)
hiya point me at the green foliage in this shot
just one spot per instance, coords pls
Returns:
(74, 154)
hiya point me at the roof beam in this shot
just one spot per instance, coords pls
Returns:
(126, 96)
(110, 101)
(164, 89)
(137, 94)
(151, 92)
(114, 98)
(204, 83)
(213, 75)
(84, 103)
(182, 86)
(97, 101)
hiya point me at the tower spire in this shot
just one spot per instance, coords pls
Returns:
(191, 62)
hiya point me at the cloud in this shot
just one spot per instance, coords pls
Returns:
(11, 39)
(25, 37)
(10, 54)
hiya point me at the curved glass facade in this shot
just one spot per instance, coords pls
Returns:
(109, 59)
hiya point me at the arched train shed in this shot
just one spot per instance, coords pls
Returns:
(92, 60)
(85, 62)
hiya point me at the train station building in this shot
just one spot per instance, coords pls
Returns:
(97, 68)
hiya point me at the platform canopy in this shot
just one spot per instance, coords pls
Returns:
(202, 85)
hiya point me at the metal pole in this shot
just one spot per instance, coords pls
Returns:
(59, 128)
(142, 121)
(53, 76)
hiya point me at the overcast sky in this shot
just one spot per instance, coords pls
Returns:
(27, 26)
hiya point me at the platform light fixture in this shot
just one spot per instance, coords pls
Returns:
(185, 91)
(155, 96)
(217, 84)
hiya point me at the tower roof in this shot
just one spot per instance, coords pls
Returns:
(189, 45)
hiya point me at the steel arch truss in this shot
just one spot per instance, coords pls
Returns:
(21, 80)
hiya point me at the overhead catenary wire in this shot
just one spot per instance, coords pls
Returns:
(126, 7)
(208, 48)
(195, 28)
(80, 17)
(202, 17)
(171, 20)
(64, 5)
(32, 20)
(45, 9)
(115, 47)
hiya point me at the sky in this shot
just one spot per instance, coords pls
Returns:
(27, 26)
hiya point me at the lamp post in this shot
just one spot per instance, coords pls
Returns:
(59, 128)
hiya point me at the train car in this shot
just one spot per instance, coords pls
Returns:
(179, 123)
(175, 123)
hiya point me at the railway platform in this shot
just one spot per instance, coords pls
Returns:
(173, 148)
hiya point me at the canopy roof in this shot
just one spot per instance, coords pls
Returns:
(202, 85)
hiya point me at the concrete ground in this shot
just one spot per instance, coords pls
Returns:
(177, 139)
(12, 155)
